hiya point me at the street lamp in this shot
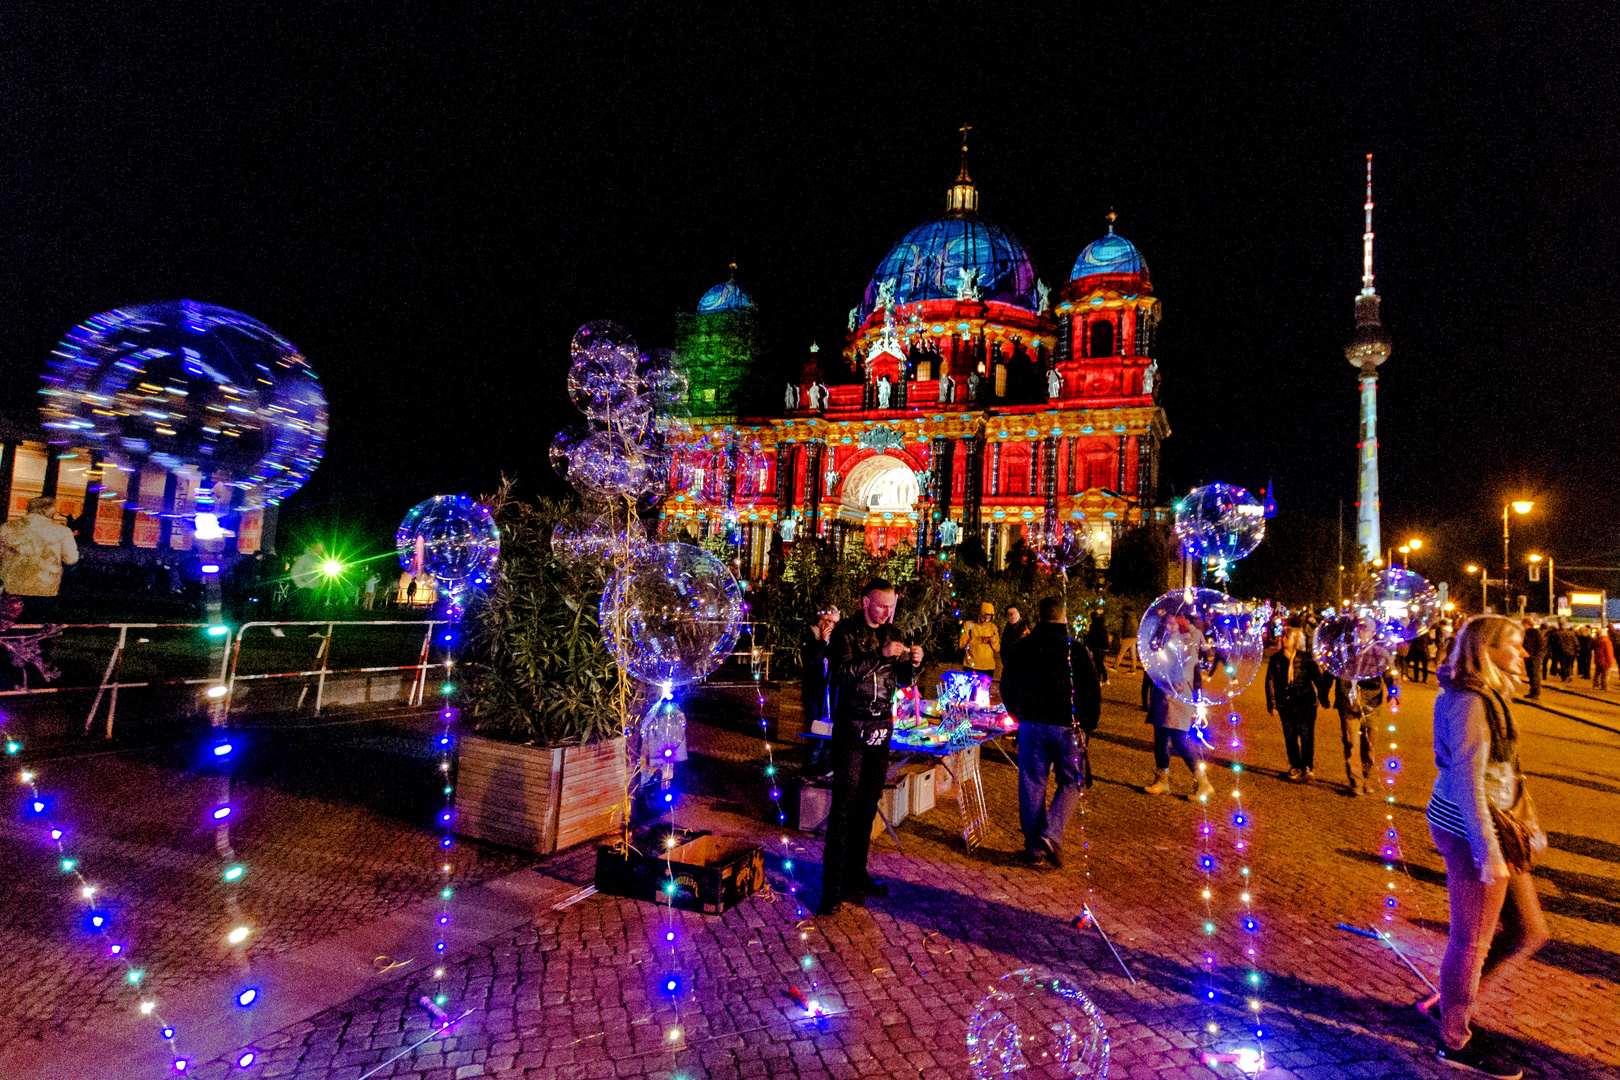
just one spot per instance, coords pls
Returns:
(1483, 584)
(1520, 507)
(1405, 550)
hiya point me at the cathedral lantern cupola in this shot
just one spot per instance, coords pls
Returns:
(963, 198)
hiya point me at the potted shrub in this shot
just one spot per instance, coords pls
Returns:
(545, 766)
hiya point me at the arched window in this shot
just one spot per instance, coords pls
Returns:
(1102, 338)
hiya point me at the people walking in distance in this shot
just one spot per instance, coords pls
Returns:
(1583, 652)
(1602, 660)
(1127, 640)
(1535, 647)
(1172, 721)
(1358, 702)
(1013, 631)
(1097, 644)
(1049, 685)
(981, 642)
(1485, 827)
(1294, 686)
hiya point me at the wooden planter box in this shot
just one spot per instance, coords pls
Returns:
(541, 799)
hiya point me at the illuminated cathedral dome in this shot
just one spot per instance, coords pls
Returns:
(1110, 256)
(955, 258)
(725, 296)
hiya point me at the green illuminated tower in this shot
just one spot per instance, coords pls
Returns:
(719, 344)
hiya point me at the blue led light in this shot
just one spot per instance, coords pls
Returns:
(247, 997)
(246, 1060)
(221, 813)
(222, 749)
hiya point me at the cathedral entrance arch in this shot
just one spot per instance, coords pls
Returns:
(880, 494)
(878, 485)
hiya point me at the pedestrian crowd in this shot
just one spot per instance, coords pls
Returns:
(1480, 815)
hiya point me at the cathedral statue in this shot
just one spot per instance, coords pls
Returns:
(854, 313)
(946, 386)
(949, 533)
(1054, 383)
(1150, 375)
(788, 527)
(1041, 294)
(791, 398)
(883, 391)
(967, 287)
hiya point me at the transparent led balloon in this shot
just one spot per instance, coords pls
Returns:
(1220, 522)
(1036, 1025)
(671, 614)
(189, 386)
(1348, 646)
(453, 537)
(1200, 646)
(609, 466)
(1404, 604)
(1064, 546)
(600, 333)
(603, 381)
(611, 534)
(663, 733)
(753, 475)
(563, 445)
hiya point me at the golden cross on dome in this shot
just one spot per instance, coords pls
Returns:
(1112, 217)
(964, 129)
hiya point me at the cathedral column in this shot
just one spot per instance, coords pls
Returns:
(995, 469)
(812, 486)
(973, 485)
(1049, 451)
(787, 460)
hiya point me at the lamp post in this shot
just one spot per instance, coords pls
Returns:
(1521, 507)
(1484, 582)
(1405, 551)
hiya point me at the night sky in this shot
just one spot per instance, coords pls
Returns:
(428, 199)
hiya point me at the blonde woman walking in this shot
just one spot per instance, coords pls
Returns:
(1486, 830)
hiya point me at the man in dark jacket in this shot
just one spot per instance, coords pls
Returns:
(1014, 631)
(867, 661)
(1535, 643)
(1049, 685)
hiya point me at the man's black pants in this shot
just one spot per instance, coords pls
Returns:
(858, 774)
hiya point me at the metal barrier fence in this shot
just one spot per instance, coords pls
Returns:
(229, 642)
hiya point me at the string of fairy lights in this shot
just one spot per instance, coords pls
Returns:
(97, 918)
(444, 745)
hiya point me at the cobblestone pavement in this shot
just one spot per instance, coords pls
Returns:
(573, 995)
(318, 824)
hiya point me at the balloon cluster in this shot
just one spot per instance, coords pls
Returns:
(1199, 645)
(1389, 608)
(452, 538)
(635, 407)
(670, 613)
(193, 388)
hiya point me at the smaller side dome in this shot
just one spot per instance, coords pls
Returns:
(1110, 255)
(725, 296)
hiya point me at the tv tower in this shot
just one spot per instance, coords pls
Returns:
(1368, 349)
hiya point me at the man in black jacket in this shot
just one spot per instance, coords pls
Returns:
(1049, 685)
(867, 661)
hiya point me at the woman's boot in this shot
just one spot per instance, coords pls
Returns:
(1161, 786)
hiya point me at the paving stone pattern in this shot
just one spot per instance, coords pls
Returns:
(573, 995)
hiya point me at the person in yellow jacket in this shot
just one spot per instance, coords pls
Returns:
(981, 641)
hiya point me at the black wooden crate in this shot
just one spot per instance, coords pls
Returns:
(710, 873)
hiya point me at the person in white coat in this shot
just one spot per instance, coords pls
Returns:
(33, 550)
